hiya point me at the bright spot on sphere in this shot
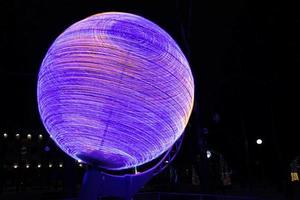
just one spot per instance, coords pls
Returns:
(259, 141)
(115, 90)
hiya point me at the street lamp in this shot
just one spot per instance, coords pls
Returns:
(259, 141)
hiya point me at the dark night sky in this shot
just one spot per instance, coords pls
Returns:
(243, 56)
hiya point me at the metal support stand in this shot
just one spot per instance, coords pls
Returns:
(98, 184)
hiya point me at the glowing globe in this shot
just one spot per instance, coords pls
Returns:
(115, 90)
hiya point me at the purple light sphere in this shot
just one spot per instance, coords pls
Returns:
(115, 90)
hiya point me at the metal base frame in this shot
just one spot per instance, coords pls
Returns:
(98, 184)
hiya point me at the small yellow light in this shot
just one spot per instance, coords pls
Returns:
(294, 176)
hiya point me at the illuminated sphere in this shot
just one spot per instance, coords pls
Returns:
(115, 90)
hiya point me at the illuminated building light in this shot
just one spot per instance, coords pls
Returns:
(29, 136)
(115, 90)
(259, 141)
(5, 135)
(294, 176)
(40, 136)
(208, 153)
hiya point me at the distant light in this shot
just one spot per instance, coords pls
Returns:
(17, 135)
(40, 136)
(79, 160)
(259, 141)
(47, 148)
(28, 136)
(15, 166)
(166, 161)
(208, 154)
(205, 131)
(5, 135)
(50, 165)
(80, 165)
(60, 165)
(39, 166)
(216, 117)
(27, 166)
(294, 176)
